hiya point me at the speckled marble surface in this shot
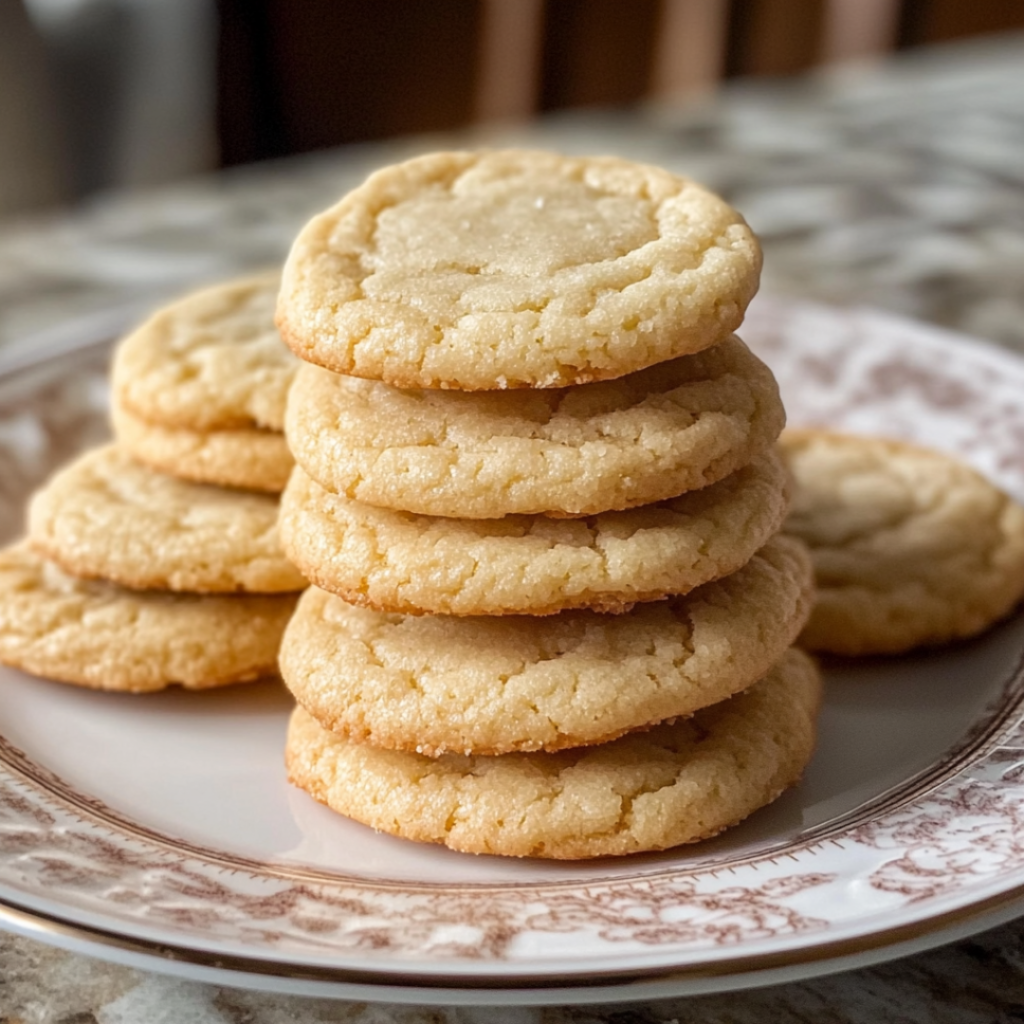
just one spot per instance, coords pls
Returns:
(900, 187)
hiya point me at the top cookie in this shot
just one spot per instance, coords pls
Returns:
(212, 360)
(910, 547)
(514, 268)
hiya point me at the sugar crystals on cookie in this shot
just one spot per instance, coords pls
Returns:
(515, 268)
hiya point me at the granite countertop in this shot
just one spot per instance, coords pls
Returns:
(899, 187)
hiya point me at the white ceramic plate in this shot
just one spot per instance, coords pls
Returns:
(160, 831)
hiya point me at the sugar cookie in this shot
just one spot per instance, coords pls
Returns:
(212, 360)
(106, 516)
(611, 445)
(534, 565)
(515, 268)
(249, 458)
(102, 636)
(911, 547)
(675, 784)
(488, 685)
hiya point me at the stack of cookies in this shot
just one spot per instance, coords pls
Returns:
(537, 495)
(132, 577)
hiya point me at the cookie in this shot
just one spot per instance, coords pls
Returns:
(248, 458)
(533, 565)
(910, 547)
(577, 451)
(677, 783)
(212, 360)
(102, 636)
(512, 268)
(107, 516)
(488, 685)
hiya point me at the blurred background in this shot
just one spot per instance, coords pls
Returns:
(104, 94)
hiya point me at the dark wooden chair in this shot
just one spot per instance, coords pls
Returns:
(302, 74)
(690, 47)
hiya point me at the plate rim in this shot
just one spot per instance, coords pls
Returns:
(754, 971)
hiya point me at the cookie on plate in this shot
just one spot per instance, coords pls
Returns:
(515, 269)
(575, 451)
(488, 685)
(911, 547)
(245, 457)
(677, 783)
(212, 360)
(99, 635)
(106, 516)
(530, 565)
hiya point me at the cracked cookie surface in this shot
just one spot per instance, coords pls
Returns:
(911, 547)
(244, 457)
(513, 268)
(96, 634)
(106, 516)
(593, 448)
(212, 360)
(677, 783)
(535, 565)
(489, 685)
